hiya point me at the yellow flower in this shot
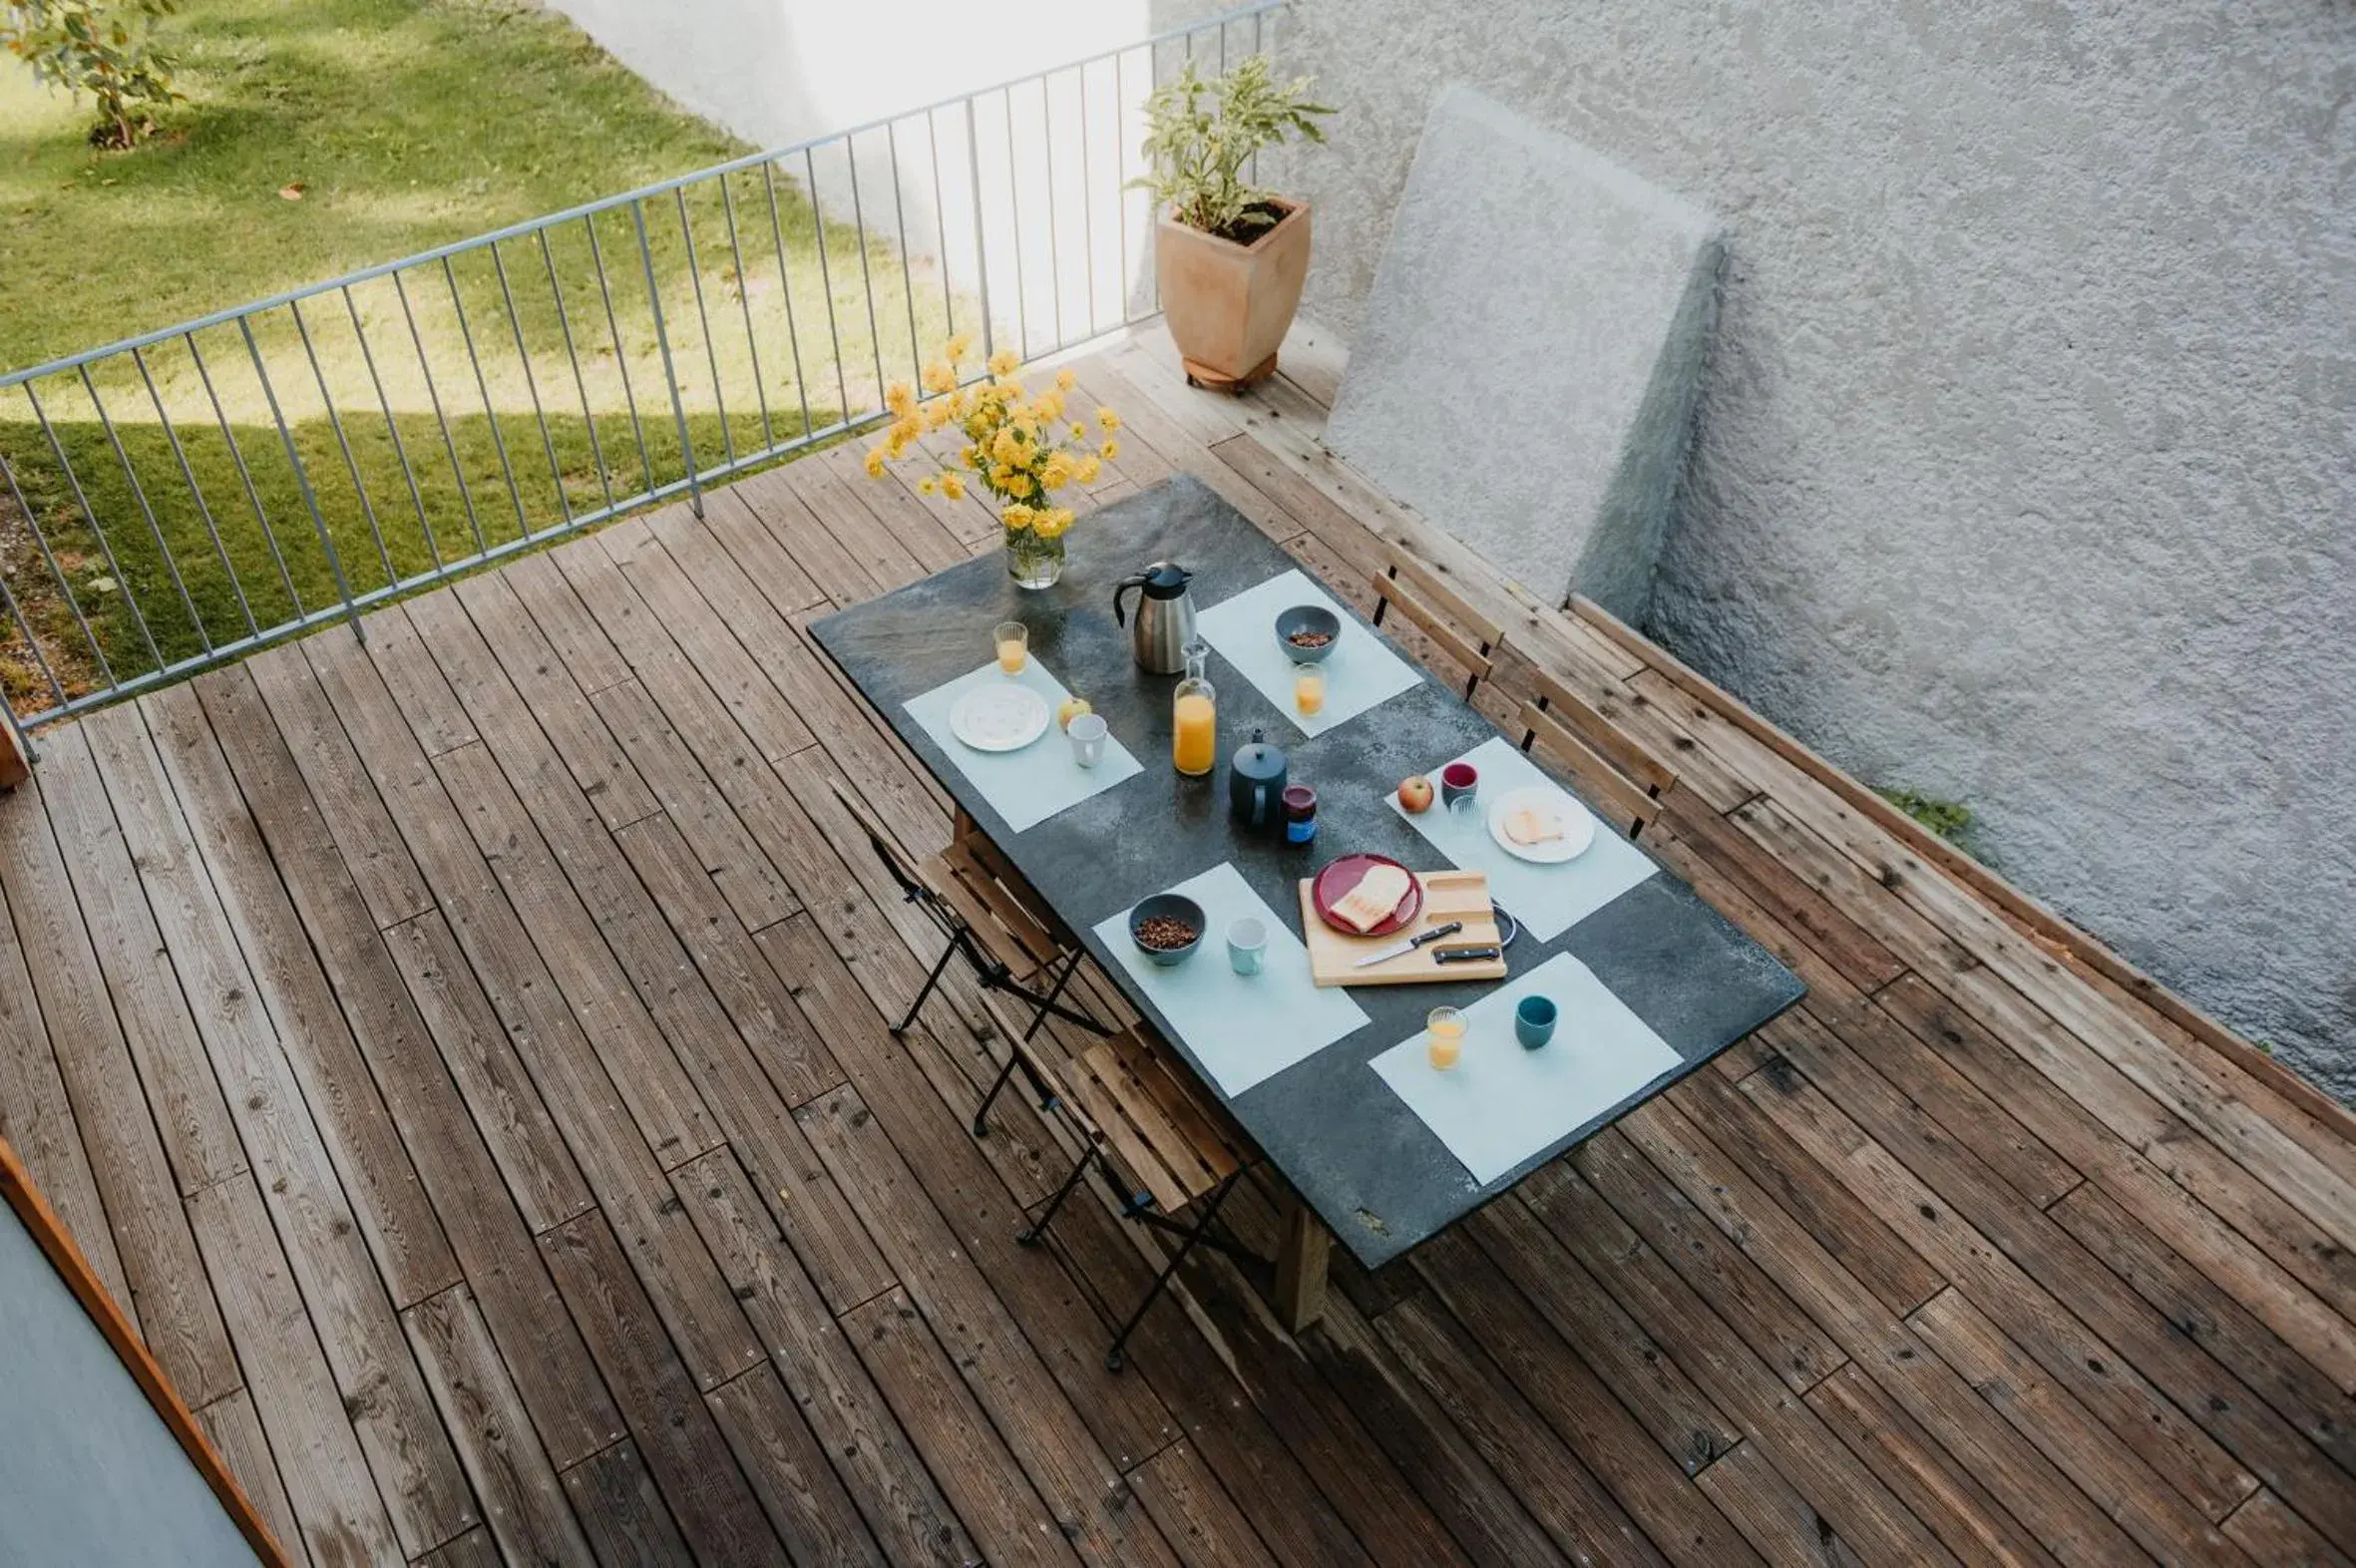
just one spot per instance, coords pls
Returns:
(972, 458)
(899, 399)
(1064, 380)
(1005, 446)
(875, 463)
(1002, 476)
(1079, 432)
(1019, 515)
(1108, 419)
(1056, 472)
(953, 486)
(1052, 522)
(939, 377)
(1111, 451)
(1089, 469)
(1049, 406)
(961, 345)
(1003, 362)
(925, 486)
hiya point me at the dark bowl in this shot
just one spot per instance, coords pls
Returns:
(1177, 906)
(1309, 617)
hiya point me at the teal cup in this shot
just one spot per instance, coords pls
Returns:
(1533, 1022)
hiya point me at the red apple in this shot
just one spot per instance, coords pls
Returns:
(1414, 794)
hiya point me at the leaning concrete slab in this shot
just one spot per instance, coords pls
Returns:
(1531, 350)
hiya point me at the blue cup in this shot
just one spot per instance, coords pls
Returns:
(1533, 1022)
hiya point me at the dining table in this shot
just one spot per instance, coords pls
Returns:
(1333, 1085)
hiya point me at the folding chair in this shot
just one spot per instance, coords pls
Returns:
(1161, 1145)
(990, 918)
(1609, 767)
(1460, 631)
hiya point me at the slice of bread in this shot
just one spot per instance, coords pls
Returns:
(1371, 903)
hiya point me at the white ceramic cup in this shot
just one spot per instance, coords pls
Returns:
(1246, 944)
(1087, 731)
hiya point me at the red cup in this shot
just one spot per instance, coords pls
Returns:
(1456, 781)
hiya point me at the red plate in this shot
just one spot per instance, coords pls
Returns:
(1338, 879)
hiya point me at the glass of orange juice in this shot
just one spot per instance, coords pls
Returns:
(1444, 1030)
(1012, 641)
(1309, 689)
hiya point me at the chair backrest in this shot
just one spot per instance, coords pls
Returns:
(1631, 757)
(1464, 633)
(1632, 807)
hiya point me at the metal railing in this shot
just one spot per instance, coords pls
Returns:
(184, 498)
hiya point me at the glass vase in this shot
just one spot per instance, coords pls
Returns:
(1033, 561)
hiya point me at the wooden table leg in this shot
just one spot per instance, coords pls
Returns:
(1301, 1266)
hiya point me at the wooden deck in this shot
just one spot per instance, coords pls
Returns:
(465, 1055)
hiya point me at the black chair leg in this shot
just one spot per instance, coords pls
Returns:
(931, 981)
(981, 1114)
(1029, 1235)
(1113, 1357)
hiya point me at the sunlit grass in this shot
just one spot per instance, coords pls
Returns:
(362, 438)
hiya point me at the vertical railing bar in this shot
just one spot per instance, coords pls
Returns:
(949, 305)
(466, 492)
(466, 335)
(1223, 46)
(303, 478)
(980, 235)
(670, 374)
(25, 628)
(826, 281)
(1015, 211)
(244, 474)
(1087, 204)
(711, 353)
(629, 397)
(138, 362)
(40, 538)
(335, 423)
(588, 418)
(867, 281)
(1120, 170)
(785, 285)
(139, 494)
(515, 321)
(1054, 232)
(908, 276)
(744, 305)
(65, 465)
(392, 428)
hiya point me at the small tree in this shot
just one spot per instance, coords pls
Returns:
(1199, 135)
(102, 50)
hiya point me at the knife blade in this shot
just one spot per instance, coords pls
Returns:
(1401, 949)
(1467, 955)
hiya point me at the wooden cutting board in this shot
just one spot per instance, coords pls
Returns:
(1448, 895)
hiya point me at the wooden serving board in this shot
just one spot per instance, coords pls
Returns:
(1448, 895)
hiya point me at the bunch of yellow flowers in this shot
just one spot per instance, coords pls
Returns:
(1020, 448)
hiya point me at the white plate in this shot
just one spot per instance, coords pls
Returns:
(997, 717)
(1578, 825)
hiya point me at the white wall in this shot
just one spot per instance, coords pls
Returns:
(2026, 469)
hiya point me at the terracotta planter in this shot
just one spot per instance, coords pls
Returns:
(1228, 305)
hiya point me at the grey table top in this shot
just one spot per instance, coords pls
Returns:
(1366, 1162)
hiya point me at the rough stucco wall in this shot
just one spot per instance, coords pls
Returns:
(2025, 470)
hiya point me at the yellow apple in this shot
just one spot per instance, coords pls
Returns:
(1069, 710)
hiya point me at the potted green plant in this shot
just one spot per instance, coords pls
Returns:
(1232, 258)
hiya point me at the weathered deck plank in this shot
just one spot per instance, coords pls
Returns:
(558, 982)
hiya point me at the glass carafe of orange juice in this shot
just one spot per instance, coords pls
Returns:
(1194, 715)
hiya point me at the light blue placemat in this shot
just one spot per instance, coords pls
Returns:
(1548, 900)
(1026, 787)
(1242, 1029)
(1501, 1104)
(1361, 673)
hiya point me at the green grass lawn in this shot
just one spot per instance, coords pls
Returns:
(457, 408)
